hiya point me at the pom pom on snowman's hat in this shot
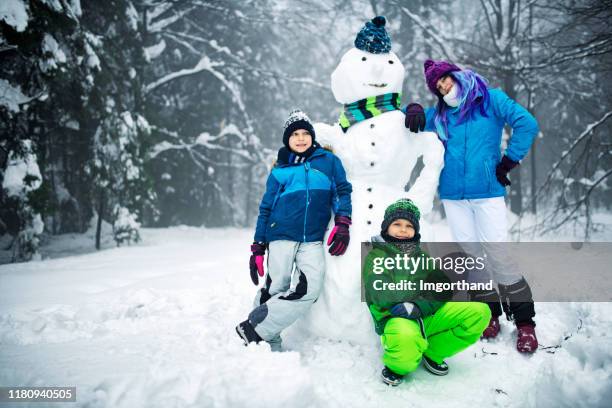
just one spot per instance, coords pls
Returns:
(379, 21)
(297, 120)
(373, 37)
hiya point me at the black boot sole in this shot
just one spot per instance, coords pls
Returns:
(392, 379)
(392, 383)
(434, 370)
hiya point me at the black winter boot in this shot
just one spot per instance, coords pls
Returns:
(247, 333)
(517, 301)
(390, 378)
(435, 368)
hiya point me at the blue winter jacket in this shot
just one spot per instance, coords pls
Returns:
(473, 147)
(299, 199)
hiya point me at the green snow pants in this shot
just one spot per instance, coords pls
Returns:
(453, 328)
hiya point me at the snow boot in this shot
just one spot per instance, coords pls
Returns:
(526, 340)
(390, 378)
(435, 368)
(492, 329)
(517, 301)
(247, 333)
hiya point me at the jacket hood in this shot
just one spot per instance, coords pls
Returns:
(377, 238)
(387, 247)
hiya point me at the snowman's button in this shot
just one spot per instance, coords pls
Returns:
(369, 222)
(370, 189)
(372, 164)
(371, 206)
(371, 126)
(373, 144)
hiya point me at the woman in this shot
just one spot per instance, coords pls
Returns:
(469, 119)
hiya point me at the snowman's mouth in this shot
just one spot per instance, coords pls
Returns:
(382, 85)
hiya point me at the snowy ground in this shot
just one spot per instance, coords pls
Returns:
(153, 326)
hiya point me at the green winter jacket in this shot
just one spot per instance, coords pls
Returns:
(379, 302)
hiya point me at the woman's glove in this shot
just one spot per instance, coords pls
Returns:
(502, 169)
(415, 117)
(339, 237)
(407, 310)
(258, 250)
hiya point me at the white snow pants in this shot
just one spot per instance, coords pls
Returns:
(279, 303)
(475, 222)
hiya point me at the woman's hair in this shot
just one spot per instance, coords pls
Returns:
(472, 93)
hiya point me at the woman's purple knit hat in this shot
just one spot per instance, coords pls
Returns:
(434, 70)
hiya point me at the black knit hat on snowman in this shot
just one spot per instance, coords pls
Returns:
(297, 120)
(404, 208)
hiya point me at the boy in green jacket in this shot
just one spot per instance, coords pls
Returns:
(414, 324)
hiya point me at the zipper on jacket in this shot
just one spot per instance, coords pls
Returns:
(306, 168)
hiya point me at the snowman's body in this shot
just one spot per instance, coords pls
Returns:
(379, 155)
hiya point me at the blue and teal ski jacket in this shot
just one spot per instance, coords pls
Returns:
(299, 199)
(473, 147)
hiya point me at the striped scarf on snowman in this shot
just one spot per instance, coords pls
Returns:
(368, 108)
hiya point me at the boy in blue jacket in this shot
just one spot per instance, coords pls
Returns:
(303, 188)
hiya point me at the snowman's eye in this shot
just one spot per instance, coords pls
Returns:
(363, 58)
(390, 61)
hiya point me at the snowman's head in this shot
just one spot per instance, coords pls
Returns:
(362, 74)
(369, 69)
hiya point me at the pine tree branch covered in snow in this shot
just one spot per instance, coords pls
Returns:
(20, 186)
(117, 172)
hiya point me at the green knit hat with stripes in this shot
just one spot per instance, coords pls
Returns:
(403, 208)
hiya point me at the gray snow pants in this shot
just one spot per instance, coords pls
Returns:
(279, 303)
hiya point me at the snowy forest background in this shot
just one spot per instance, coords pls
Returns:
(158, 113)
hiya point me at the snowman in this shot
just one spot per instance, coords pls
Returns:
(379, 155)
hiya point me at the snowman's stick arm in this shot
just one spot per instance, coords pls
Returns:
(432, 151)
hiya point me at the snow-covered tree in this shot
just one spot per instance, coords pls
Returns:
(117, 170)
(125, 226)
(20, 182)
(39, 51)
